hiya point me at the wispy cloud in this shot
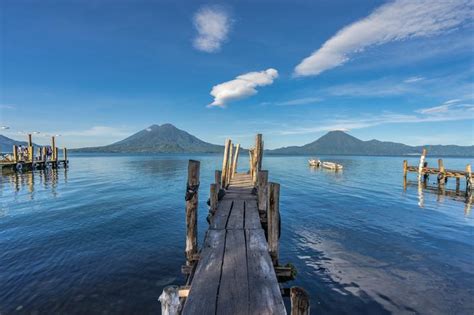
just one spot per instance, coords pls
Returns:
(7, 106)
(242, 86)
(414, 79)
(298, 101)
(395, 21)
(448, 111)
(212, 24)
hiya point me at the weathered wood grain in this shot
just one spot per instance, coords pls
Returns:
(252, 218)
(236, 218)
(219, 220)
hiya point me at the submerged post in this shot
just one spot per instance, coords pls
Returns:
(299, 301)
(422, 164)
(262, 189)
(273, 220)
(236, 159)
(191, 210)
(225, 160)
(169, 300)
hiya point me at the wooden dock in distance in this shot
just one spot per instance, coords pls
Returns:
(236, 271)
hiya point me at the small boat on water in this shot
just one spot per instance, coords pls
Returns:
(332, 166)
(314, 162)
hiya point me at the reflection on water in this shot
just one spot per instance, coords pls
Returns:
(107, 234)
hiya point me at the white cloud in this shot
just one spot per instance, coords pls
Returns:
(242, 86)
(212, 24)
(448, 111)
(414, 79)
(395, 21)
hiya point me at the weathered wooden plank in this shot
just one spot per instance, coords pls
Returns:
(233, 293)
(252, 218)
(219, 220)
(205, 285)
(236, 218)
(233, 196)
(265, 296)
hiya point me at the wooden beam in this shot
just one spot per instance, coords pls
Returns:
(169, 299)
(273, 220)
(299, 301)
(191, 209)
(225, 160)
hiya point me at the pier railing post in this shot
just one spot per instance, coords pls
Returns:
(262, 189)
(31, 153)
(405, 168)
(218, 178)
(422, 164)
(441, 173)
(299, 301)
(236, 159)
(273, 220)
(225, 160)
(65, 155)
(53, 149)
(191, 210)
(169, 300)
(229, 165)
(213, 198)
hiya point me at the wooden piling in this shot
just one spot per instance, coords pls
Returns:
(169, 299)
(299, 301)
(405, 168)
(214, 198)
(236, 159)
(468, 180)
(56, 155)
(273, 220)
(225, 161)
(229, 165)
(15, 154)
(191, 210)
(65, 155)
(259, 151)
(262, 189)
(441, 174)
(421, 165)
(30, 140)
(218, 178)
(53, 148)
(251, 162)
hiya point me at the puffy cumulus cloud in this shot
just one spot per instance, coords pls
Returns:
(242, 86)
(212, 24)
(395, 21)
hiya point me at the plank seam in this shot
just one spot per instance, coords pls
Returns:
(220, 275)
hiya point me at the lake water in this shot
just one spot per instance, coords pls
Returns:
(107, 234)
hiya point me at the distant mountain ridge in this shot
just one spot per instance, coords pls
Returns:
(158, 139)
(6, 144)
(339, 142)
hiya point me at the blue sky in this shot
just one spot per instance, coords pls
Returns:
(98, 71)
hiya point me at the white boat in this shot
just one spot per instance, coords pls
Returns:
(331, 166)
(314, 162)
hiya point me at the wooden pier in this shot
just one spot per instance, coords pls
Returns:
(237, 269)
(442, 174)
(18, 162)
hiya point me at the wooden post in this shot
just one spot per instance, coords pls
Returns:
(30, 140)
(273, 220)
(225, 160)
(236, 159)
(262, 189)
(43, 154)
(441, 174)
(405, 168)
(56, 155)
(53, 148)
(468, 180)
(169, 300)
(65, 155)
(218, 178)
(254, 166)
(15, 154)
(458, 184)
(229, 165)
(299, 301)
(191, 210)
(259, 151)
(422, 163)
(214, 198)
(251, 162)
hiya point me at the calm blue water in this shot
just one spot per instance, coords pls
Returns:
(106, 235)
